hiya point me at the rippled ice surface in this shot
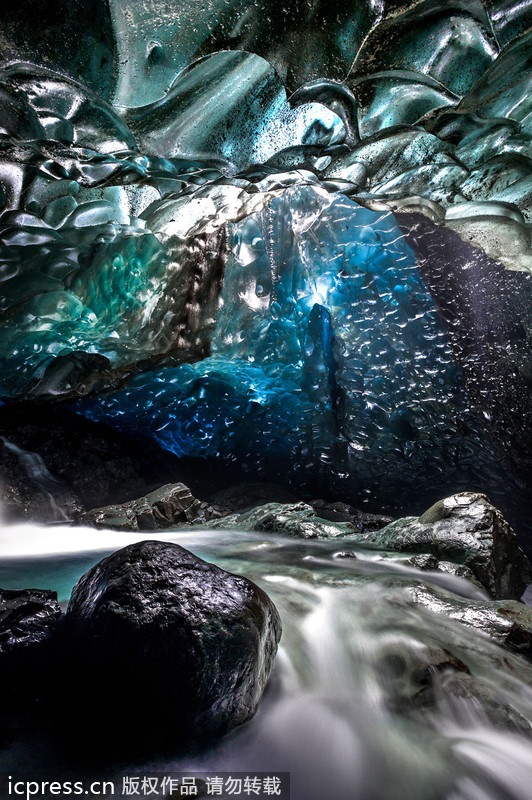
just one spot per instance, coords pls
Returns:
(330, 360)
(362, 702)
(332, 283)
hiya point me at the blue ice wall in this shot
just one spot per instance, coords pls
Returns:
(328, 356)
(293, 237)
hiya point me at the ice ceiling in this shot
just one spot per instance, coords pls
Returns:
(296, 237)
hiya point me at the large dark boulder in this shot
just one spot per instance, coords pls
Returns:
(167, 647)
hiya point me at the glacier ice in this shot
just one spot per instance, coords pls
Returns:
(293, 238)
(329, 359)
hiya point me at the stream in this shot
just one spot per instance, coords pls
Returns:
(361, 703)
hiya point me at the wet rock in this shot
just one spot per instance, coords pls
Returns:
(424, 561)
(421, 679)
(167, 645)
(289, 519)
(27, 618)
(170, 505)
(457, 687)
(467, 530)
(508, 623)
(28, 621)
(460, 571)
(438, 671)
(438, 656)
(343, 512)
(315, 520)
(428, 562)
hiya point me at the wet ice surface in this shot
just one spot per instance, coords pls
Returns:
(282, 315)
(329, 358)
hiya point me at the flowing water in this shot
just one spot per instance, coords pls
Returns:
(363, 703)
(39, 474)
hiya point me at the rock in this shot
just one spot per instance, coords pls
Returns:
(467, 530)
(428, 562)
(437, 664)
(249, 494)
(174, 504)
(424, 561)
(343, 512)
(170, 505)
(509, 624)
(425, 678)
(460, 571)
(27, 617)
(459, 686)
(289, 519)
(439, 656)
(28, 622)
(165, 645)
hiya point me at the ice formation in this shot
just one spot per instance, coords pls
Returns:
(307, 252)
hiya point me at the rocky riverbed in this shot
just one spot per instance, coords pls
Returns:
(413, 624)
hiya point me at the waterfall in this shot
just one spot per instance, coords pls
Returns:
(37, 472)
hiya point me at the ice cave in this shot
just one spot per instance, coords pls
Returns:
(266, 399)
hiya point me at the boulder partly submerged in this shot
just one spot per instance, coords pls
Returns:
(27, 618)
(465, 529)
(301, 520)
(464, 535)
(168, 647)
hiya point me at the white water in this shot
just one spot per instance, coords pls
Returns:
(340, 714)
(37, 471)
